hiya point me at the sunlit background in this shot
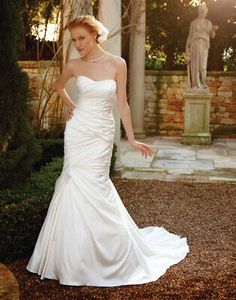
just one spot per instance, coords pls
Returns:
(167, 25)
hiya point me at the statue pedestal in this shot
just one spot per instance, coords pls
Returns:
(196, 117)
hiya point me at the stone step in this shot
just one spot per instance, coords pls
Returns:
(226, 176)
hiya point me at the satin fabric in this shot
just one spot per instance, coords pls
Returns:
(88, 236)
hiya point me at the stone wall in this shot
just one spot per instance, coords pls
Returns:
(45, 109)
(164, 104)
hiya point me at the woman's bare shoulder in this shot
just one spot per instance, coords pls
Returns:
(117, 60)
(73, 63)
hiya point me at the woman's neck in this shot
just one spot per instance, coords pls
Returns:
(95, 52)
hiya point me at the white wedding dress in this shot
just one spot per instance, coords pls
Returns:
(88, 236)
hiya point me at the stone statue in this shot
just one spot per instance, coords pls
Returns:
(197, 47)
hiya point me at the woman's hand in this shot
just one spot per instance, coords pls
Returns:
(68, 112)
(144, 148)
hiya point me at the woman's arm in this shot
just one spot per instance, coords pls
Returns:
(65, 75)
(124, 109)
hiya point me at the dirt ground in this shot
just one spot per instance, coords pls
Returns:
(202, 212)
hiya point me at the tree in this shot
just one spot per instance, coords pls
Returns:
(18, 146)
(36, 15)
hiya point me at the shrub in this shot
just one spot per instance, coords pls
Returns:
(50, 148)
(18, 146)
(23, 211)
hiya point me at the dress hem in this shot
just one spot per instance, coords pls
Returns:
(154, 278)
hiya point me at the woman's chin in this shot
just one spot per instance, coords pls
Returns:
(81, 52)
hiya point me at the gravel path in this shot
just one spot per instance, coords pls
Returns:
(203, 212)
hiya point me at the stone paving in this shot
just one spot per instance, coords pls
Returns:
(174, 161)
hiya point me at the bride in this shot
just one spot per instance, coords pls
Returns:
(88, 236)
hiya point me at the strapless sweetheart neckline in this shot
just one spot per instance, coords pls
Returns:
(82, 76)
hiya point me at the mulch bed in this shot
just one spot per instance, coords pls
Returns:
(203, 212)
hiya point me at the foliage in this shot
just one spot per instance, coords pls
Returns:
(167, 27)
(50, 148)
(18, 146)
(35, 15)
(23, 210)
(39, 185)
(155, 61)
(221, 13)
(229, 58)
(38, 15)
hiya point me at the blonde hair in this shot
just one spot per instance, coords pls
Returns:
(92, 25)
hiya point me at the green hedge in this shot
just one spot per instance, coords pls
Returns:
(50, 149)
(23, 210)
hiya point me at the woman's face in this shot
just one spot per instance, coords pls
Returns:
(83, 40)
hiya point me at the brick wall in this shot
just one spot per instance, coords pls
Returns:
(164, 104)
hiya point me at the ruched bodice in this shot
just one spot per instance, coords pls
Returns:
(95, 89)
(94, 101)
(88, 236)
(95, 97)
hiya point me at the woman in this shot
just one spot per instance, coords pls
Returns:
(88, 236)
(197, 48)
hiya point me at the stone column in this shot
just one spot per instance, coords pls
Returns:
(137, 66)
(110, 15)
(196, 117)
